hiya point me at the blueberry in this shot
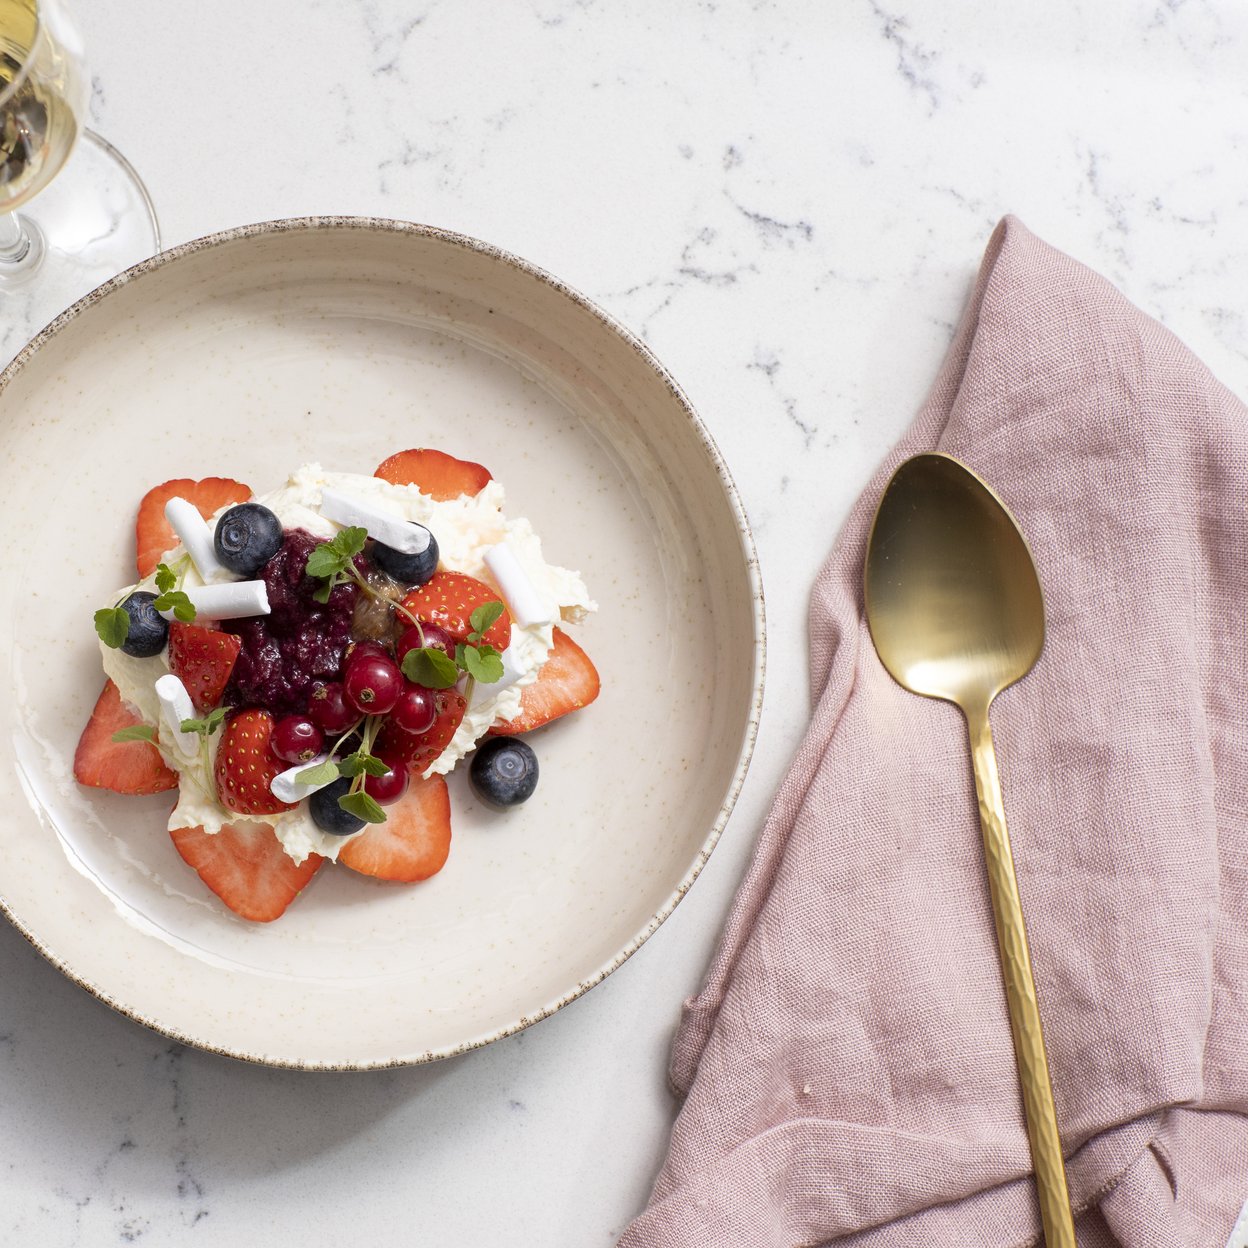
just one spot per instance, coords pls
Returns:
(407, 569)
(328, 815)
(504, 772)
(148, 632)
(247, 537)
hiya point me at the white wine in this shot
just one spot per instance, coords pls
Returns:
(43, 94)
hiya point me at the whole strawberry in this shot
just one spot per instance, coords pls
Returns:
(246, 765)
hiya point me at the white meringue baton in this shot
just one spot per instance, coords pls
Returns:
(466, 528)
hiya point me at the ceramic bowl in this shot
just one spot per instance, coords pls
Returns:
(340, 340)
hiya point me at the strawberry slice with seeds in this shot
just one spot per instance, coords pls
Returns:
(246, 766)
(246, 866)
(448, 599)
(154, 535)
(133, 767)
(567, 681)
(202, 659)
(414, 841)
(419, 750)
(435, 473)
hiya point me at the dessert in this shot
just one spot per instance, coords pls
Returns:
(304, 668)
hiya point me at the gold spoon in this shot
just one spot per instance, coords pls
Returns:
(955, 611)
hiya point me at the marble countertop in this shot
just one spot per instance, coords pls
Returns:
(788, 202)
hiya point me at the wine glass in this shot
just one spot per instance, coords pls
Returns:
(93, 216)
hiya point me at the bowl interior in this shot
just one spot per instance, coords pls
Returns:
(340, 343)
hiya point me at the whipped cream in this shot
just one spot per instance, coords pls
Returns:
(467, 529)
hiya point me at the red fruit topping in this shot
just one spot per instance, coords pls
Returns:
(448, 600)
(358, 649)
(300, 643)
(329, 711)
(387, 789)
(246, 866)
(246, 765)
(296, 739)
(435, 473)
(567, 681)
(418, 750)
(415, 710)
(132, 767)
(202, 659)
(154, 534)
(435, 638)
(414, 841)
(372, 685)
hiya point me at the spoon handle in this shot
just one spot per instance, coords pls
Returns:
(1020, 992)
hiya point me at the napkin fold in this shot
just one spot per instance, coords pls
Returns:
(847, 1067)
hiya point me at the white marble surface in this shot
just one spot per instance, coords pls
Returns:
(788, 201)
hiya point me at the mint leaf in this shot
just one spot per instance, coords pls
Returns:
(322, 773)
(430, 667)
(176, 601)
(362, 807)
(359, 762)
(206, 726)
(324, 561)
(350, 542)
(322, 592)
(484, 616)
(136, 732)
(113, 626)
(166, 579)
(483, 663)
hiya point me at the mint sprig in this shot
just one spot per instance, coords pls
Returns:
(334, 561)
(206, 726)
(355, 767)
(171, 595)
(482, 663)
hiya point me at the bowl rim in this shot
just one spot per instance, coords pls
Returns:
(745, 537)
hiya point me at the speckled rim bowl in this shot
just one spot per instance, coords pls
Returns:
(341, 340)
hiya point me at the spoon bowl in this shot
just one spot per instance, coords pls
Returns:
(953, 599)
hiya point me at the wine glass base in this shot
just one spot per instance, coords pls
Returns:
(92, 221)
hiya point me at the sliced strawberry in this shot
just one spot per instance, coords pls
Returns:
(435, 473)
(246, 766)
(414, 841)
(448, 599)
(202, 659)
(567, 681)
(420, 749)
(124, 766)
(246, 866)
(154, 534)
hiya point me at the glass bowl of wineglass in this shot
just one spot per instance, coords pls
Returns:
(73, 212)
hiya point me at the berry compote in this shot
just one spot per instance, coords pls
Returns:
(300, 643)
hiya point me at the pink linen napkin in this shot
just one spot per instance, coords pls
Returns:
(847, 1067)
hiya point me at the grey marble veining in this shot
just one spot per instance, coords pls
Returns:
(788, 201)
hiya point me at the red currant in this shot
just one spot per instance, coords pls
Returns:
(435, 639)
(372, 685)
(390, 787)
(329, 711)
(296, 739)
(358, 649)
(415, 710)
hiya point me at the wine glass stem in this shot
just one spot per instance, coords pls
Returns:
(15, 242)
